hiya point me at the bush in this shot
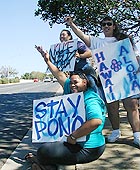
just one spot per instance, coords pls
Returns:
(14, 80)
(6, 81)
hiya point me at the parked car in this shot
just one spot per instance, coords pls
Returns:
(54, 79)
(36, 80)
(47, 79)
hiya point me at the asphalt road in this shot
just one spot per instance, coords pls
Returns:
(16, 112)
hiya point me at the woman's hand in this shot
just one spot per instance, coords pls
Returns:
(44, 54)
(77, 55)
(70, 140)
(68, 20)
(61, 77)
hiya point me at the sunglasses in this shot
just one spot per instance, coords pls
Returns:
(106, 23)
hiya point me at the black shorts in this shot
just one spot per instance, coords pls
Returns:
(63, 153)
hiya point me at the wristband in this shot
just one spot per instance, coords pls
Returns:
(72, 137)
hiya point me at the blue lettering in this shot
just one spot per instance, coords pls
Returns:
(61, 111)
(78, 118)
(103, 67)
(112, 96)
(130, 68)
(62, 126)
(58, 122)
(100, 57)
(132, 76)
(110, 89)
(111, 93)
(123, 50)
(106, 75)
(135, 84)
(39, 130)
(125, 60)
(61, 54)
(108, 82)
(51, 105)
(74, 106)
(54, 127)
(41, 110)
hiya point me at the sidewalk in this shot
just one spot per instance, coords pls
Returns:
(120, 155)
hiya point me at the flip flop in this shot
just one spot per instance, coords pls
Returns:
(34, 164)
(30, 157)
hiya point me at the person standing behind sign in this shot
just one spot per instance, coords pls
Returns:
(112, 34)
(73, 152)
(82, 64)
(82, 50)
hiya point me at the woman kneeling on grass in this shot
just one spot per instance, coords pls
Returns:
(49, 155)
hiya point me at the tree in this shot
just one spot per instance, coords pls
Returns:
(88, 13)
(33, 75)
(26, 76)
(7, 71)
(38, 75)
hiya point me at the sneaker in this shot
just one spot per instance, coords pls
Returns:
(114, 136)
(137, 142)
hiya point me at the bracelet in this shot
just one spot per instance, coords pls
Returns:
(72, 137)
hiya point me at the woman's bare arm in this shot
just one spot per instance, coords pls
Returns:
(77, 31)
(61, 77)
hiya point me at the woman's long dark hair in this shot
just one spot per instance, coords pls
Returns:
(117, 33)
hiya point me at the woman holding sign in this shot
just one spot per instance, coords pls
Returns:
(73, 152)
(82, 63)
(112, 34)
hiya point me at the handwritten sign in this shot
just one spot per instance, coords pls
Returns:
(63, 55)
(118, 70)
(55, 117)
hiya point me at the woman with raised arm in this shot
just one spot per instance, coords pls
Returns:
(113, 34)
(73, 152)
(82, 62)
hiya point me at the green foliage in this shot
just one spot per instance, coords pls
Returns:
(88, 13)
(38, 75)
(4, 81)
(11, 80)
(26, 76)
(50, 75)
(14, 80)
(34, 75)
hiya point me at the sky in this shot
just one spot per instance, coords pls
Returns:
(20, 31)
